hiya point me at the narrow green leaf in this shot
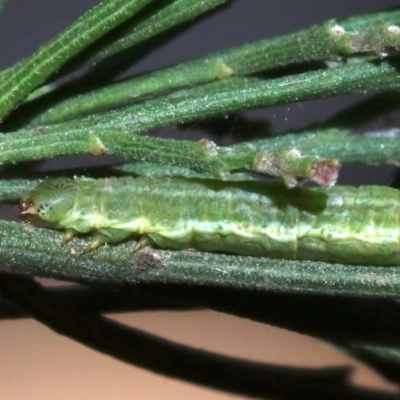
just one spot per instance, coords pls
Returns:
(328, 42)
(236, 94)
(341, 144)
(37, 252)
(114, 132)
(202, 156)
(176, 13)
(19, 81)
(14, 189)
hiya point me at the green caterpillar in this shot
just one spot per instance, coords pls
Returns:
(342, 224)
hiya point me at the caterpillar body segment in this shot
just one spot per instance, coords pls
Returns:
(342, 224)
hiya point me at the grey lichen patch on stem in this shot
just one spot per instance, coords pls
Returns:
(377, 40)
(292, 166)
(272, 163)
(336, 30)
(325, 172)
(147, 259)
(209, 147)
(394, 30)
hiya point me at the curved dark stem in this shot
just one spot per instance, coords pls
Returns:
(366, 328)
(162, 356)
(99, 300)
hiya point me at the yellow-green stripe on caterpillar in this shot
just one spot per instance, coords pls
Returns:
(342, 224)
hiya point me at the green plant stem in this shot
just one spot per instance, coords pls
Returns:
(14, 189)
(238, 93)
(326, 42)
(340, 143)
(113, 132)
(324, 143)
(201, 156)
(178, 12)
(320, 39)
(158, 18)
(276, 156)
(37, 252)
(214, 85)
(155, 170)
(19, 81)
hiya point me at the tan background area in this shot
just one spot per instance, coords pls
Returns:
(40, 364)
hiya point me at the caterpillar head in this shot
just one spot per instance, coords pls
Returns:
(50, 200)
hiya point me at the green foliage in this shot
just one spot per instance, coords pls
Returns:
(356, 56)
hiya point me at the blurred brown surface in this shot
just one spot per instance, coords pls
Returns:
(40, 364)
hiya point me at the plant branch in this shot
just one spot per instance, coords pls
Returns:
(113, 132)
(110, 120)
(341, 143)
(19, 81)
(202, 156)
(368, 329)
(100, 300)
(14, 189)
(238, 94)
(178, 12)
(37, 252)
(159, 17)
(374, 35)
(361, 34)
(145, 350)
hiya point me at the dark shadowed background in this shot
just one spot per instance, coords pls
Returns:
(39, 364)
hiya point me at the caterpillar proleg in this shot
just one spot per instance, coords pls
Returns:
(342, 224)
